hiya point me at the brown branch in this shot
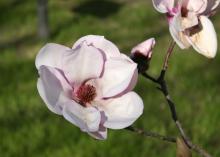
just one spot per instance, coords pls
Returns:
(168, 54)
(164, 89)
(151, 134)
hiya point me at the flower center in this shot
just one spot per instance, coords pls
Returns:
(85, 94)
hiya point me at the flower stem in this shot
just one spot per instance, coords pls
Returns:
(168, 55)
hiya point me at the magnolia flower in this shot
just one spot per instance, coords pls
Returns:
(90, 85)
(142, 53)
(189, 23)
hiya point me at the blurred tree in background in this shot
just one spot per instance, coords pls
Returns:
(43, 27)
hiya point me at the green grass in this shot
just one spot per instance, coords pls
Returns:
(28, 128)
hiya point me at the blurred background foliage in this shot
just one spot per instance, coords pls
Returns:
(28, 128)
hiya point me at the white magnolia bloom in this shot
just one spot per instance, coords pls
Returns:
(189, 23)
(89, 84)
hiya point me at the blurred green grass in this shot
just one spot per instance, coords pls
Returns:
(28, 128)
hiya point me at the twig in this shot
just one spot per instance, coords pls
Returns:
(151, 134)
(164, 89)
(169, 52)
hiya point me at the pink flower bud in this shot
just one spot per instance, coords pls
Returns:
(142, 53)
(144, 48)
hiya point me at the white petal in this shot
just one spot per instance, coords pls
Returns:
(123, 111)
(100, 42)
(51, 55)
(163, 6)
(119, 74)
(197, 6)
(86, 118)
(205, 41)
(178, 36)
(83, 63)
(53, 88)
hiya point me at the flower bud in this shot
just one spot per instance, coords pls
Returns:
(142, 53)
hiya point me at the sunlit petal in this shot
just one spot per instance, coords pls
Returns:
(205, 41)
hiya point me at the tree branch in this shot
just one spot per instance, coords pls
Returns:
(151, 134)
(164, 89)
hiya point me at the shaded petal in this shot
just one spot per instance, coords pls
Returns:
(86, 118)
(212, 5)
(205, 41)
(117, 78)
(99, 135)
(182, 23)
(53, 88)
(123, 111)
(50, 55)
(101, 43)
(83, 63)
(163, 6)
(197, 6)
(215, 4)
(188, 22)
(178, 36)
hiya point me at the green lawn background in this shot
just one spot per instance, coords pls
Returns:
(29, 129)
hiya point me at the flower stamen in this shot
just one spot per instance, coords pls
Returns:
(86, 93)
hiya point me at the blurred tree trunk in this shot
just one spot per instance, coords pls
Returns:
(43, 28)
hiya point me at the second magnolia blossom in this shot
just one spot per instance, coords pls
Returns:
(189, 23)
(89, 84)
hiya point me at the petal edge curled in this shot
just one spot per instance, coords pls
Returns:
(52, 88)
(101, 43)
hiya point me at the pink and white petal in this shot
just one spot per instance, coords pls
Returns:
(51, 55)
(205, 41)
(118, 76)
(197, 6)
(177, 35)
(179, 38)
(99, 135)
(106, 46)
(123, 111)
(163, 6)
(86, 118)
(83, 63)
(53, 88)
